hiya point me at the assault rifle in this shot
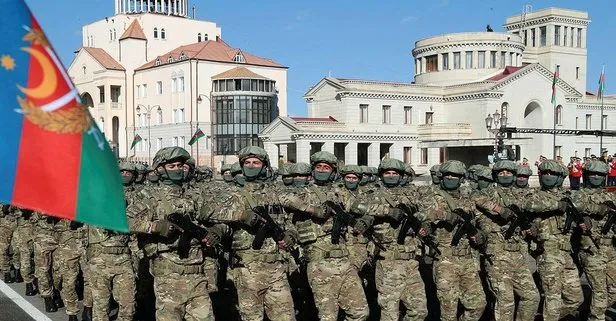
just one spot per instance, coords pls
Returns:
(342, 219)
(611, 218)
(189, 231)
(270, 228)
(467, 228)
(574, 215)
(520, 220)
(411, 222)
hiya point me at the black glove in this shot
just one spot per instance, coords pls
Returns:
(395, 213)
(563, 206)
(533, 230)
(362, 224)
(290, 239)
(165, 228)
(214, 235)
(464, 214)
(508, 214)
(75, 225)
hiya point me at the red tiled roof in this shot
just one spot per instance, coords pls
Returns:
(306, 119)
(508, 71)
(210, 50)
(103, 58)
(238, 72)
(134, 31)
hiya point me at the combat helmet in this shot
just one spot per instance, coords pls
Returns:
(253, 173)
(501, 166)
(128, 167)
(453, 168)
(550, 172)
(169, 155)
(327, 158)
(391, 164)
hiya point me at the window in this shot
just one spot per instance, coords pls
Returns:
(407, 155)
(138, 91)
(182, 56)
(110, 35)
(557, 150)
(577, 72)
(159, 143)
(492, 59)
(604, 121)
(173, 85)
(512, 60)
(587, 152)
(432, 63)
(424, 156)
(363, 113)
(175, 141)
(577, 119)
(157, 62)
(159, 87)
(144, 90)
(162, 33)
(481, 59)
(429, 117)
(183, 141)
(557, 35)
(101, 97)
(532, 37)
(588, 121)
(159, 116)
(445, 61)
(579, 38)
(170, 59)
(239, 58)
(181, 115)
(525, 37)
(155, 33)
(199, 37)
(408, 115)
(180, 84)
(542, 36)
(469, 60)
(456, 60)
(503, 55)
(571, 36)
(559, 115)
(205, 38)
(565, 34)
(386, 114)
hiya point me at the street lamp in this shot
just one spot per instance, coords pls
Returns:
(494, 124)
(199, 101)
(148, 113)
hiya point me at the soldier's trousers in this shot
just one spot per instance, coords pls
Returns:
(24, 248)
(600, 267)
(55, 265)
(87, 284)
(180, 296)
(457, 279)
(336, 285)
(263, 287)
(7, 229)
(509, 275)
(560, 282)
(399, 281)
(112, 274)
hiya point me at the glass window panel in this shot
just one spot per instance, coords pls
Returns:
(253, 85)
(246, 84)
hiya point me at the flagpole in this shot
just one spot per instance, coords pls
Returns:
(601, 84)
(556, 74)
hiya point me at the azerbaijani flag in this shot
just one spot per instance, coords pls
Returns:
(54, 158)
(601, 89)
(554, 85)
(136, 140)
(198, 134)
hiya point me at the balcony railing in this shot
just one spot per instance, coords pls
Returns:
(445, 130)
(116, 105)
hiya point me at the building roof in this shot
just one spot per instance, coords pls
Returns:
(314, 119)
(211, 50)
(508, 71)
(239, 72)
(103, 58)
(134, 31)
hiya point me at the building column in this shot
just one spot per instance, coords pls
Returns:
(350, 153)
(450, 60)
(423, 65)
(328, 146)
(396, 151)
(116, 6)
(272, 152)
(302, 151)
(373, 154)
(417, 66)
(583, 38)
(169, 8)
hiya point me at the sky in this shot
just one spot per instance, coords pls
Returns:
(342, 38)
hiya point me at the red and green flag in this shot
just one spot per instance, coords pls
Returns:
(55, 160)
(136, 140)
(554, 80)
(198, 134)
(601, 89)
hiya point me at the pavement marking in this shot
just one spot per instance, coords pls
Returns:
(30, 309)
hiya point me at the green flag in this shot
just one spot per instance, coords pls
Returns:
(136, 140)
(198, 134)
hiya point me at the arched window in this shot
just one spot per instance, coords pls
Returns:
(155, 33)
(159, 116)
(504, 109)
(115, 35)
(199, 37)
(170, 59)
(162, 33)
(205, 37)
(559, 115)
(110, 35)
(157, 62)
(182, 56)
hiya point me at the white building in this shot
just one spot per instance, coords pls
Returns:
(460, 79)
(152, 70)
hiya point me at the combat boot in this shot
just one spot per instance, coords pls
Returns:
(18, 278)
(50, 305)
(72, 318)
(57, 299)
(30, 290)
(86, 315)
(8, 278)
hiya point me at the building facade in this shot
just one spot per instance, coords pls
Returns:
(460, 80)
(143, 74)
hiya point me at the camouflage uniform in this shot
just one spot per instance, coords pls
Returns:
(397, 269)
(597, 254)
(456, 270)
(333, 279)
(509, 272)
(25, 247)
(555, 265)
(10, 220)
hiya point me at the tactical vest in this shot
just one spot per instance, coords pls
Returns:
(106, 242)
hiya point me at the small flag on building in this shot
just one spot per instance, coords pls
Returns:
(601, 89)
(198, 134)
(55, 160)
(136, 140)
(554, 85)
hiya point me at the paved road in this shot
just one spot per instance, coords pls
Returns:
(15, 306)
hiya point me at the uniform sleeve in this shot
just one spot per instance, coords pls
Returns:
(590, 203)
(140, 216)
(540, 203)
(486, 202)
(225, 210)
